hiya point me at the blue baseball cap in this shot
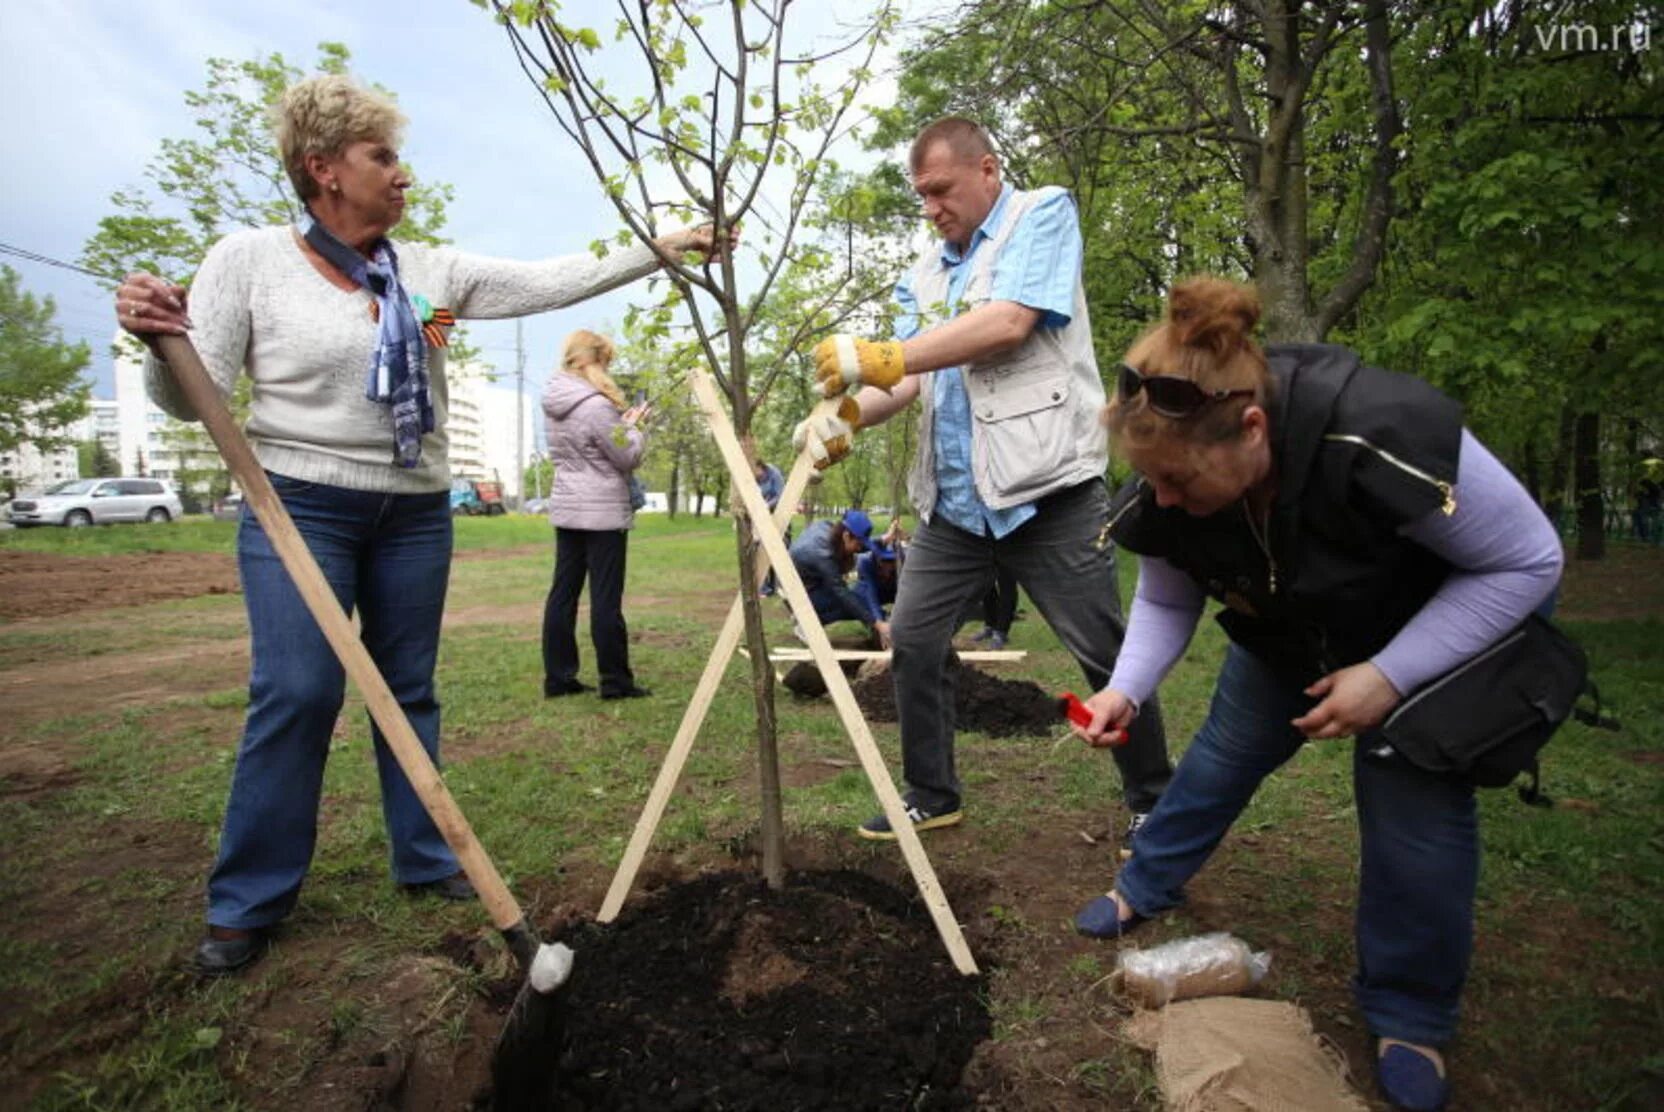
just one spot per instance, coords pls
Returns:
(860, 525)
(882, 551)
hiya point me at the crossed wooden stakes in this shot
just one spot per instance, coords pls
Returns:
(768, 528)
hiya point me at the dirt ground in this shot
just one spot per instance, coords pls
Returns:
(730, 997)
(35, 584)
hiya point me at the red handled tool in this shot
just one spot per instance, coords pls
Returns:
(1076, 712)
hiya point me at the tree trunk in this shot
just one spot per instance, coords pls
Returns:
(1591, 515)
(773, 832)
(1631, 479)
(762, 695)
(1559, 470)
(675, 485)
(1533, 471)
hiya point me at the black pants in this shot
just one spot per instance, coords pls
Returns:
(1071, 581)
(999, 605)
(600, 556)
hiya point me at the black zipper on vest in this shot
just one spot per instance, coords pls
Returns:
(1444, 488)
(1103, 534)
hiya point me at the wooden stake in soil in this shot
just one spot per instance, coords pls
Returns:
(797, 598)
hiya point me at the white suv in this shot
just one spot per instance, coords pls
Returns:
(97, 502)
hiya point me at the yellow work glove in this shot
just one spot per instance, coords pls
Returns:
(829, 436)
(843, 362)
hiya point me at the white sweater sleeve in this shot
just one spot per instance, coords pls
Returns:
(218, 305)
(488, 288)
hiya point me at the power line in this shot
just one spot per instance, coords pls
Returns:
(37, 257)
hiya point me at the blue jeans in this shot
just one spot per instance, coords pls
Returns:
(1420, 842)
(832, 605)
(388, 556)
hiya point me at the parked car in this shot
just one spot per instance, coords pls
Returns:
(97, 502)
(472, 497)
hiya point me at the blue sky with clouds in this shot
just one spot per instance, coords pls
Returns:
(91, 89)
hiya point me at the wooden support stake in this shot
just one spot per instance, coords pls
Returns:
(694, 716)
(837, 684)
(987, 656)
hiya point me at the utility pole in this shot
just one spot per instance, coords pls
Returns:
(519, 416)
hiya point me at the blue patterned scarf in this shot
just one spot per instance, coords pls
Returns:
(399, 365)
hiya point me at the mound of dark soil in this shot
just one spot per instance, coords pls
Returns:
(835, 993)
(982, 703)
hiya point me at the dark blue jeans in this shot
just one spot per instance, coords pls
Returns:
(387, 556)
(832, 605)
(1420, 841)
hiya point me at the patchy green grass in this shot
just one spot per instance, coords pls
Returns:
(203, 534)
(110, 831)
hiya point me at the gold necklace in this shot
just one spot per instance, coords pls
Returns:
(1263, 540)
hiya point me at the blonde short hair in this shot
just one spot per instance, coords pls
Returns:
(323, 116)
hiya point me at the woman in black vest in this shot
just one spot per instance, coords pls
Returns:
(1362, 543)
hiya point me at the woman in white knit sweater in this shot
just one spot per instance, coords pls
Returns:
(342, 332)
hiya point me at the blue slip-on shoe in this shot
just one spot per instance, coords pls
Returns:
(1102, 919)
(1410, 1080)
(877, 828)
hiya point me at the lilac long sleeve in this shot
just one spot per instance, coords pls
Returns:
(1507, 560)
(1165, 609)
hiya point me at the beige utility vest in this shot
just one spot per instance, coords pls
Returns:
(1034, 409)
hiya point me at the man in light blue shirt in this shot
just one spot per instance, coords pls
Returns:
(1012, 454)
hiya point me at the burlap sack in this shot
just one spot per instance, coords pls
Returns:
(1230, 1054)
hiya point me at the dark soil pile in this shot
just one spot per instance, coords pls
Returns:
(981, 703)
(717, 994)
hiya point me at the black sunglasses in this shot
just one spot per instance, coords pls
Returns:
(1169, 396)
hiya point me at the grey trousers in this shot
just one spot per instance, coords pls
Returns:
(1056, 558)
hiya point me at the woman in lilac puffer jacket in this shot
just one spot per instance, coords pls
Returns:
(595, 444)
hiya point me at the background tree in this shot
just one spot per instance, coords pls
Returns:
(95, 460)
(1491, 233)
(1195, 137)
(41, 389)
(227, 176)
(1526, 276)
(689, 123)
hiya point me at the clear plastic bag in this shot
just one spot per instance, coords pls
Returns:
(1217, 964)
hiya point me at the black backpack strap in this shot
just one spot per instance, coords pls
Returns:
(1532, 794)
(1594, 717)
